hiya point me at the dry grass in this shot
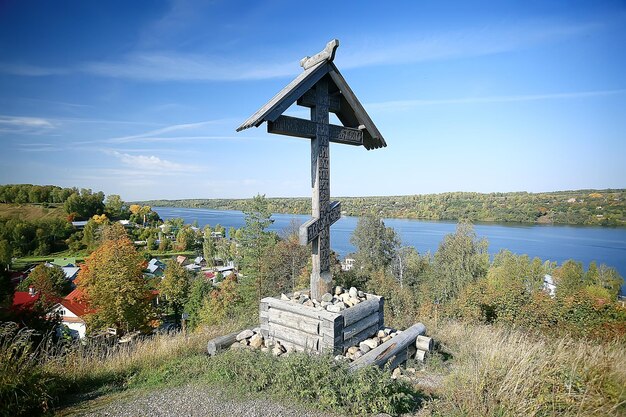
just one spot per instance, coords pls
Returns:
(504, 372)
(30, 212)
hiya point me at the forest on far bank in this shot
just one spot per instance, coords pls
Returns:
(578, 207)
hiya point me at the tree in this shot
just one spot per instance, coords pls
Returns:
(376, 244)
(113, 206)
(174, 287)
(199, 291)
(569, 278)
(114, 286)
(208, 246)
(5, 254)
(255, 240)
(49, 281)
(460, 259)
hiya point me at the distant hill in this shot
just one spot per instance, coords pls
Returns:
(577, 207)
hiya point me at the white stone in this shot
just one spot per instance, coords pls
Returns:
(338, 289)
(372, 343)
(244, 335)
(284, 297)
(256, 341)
(352, 350)
(381, 334)
(327, 297)
(353, 292)
(364, 347)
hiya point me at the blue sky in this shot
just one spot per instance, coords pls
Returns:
(142, 98)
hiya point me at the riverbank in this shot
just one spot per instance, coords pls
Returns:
(578, 207)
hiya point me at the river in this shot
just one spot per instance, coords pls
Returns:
(548, 242)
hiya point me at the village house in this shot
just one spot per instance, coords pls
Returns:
(549, 286)
(71, 310)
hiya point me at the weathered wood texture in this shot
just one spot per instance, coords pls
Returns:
(306, 328)
(393, 352)
(221, 343)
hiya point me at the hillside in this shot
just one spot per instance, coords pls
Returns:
(31, 212)
(579, 207)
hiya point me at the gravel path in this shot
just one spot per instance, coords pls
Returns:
(190, 400)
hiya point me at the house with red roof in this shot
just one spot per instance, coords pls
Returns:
(25, 300)
(72, 309)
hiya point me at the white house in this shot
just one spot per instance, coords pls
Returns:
(72, 309)
(347, 264)
(549, 285)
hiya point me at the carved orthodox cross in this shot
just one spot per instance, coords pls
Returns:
(321, 88)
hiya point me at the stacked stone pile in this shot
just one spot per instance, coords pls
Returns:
(355, 352)
(341, 299)
(252, 339)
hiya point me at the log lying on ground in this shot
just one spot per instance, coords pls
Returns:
(424, 343)
(393, 351)
(420, 355)
(222, 342)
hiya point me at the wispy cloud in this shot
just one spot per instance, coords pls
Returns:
(408, 104)
(173, 132)
(168, 65)
(145, 162)
(25, 125)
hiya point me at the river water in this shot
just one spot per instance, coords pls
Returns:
(548, 242)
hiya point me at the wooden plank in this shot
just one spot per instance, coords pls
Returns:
(299, 309)
(311, 229)
(360, 311)
(345, 135)
(287, 334)
(287, 96)
(302, 128)
(375, 139)
(295, 321)
(292, 126)
(308, 100)
(359, 337)
(391, 349)
(359, 326)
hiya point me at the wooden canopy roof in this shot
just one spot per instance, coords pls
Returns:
(344, 103)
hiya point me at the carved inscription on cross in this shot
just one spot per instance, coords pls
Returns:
(317, 230)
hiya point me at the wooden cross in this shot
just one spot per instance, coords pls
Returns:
(321, 88)
(317, 230)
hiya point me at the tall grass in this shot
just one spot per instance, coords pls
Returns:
(502, 372)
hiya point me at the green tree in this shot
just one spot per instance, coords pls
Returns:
(208, 246)
(255, 241)
(199, 291)
(49, 281)
(174, 287)
(376, 244)
(460, 260)
(113, 206)
(111, 279)
(569, 278)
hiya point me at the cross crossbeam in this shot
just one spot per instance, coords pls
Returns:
(302, 128)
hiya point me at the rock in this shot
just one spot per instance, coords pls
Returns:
(256, 341)
(336, 308)
(325, 304)
(360, 294)
(340, 358)
(296, 294)
(284, 297)
(303, 299)
(381, 334)
(388, 330)
(315, 302)
(357, 355)
(353, 349)
(244, 343)
(344, 297)
(364, 347)
(308, 303)
(278, 349)
(354, 301)
(396, 373)
(349, 302)
(372, 343)
(384, 339)
(265, 349)
(353, 292)
(338, 289)
(235, 346)
(328, 297)
(244, 335)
